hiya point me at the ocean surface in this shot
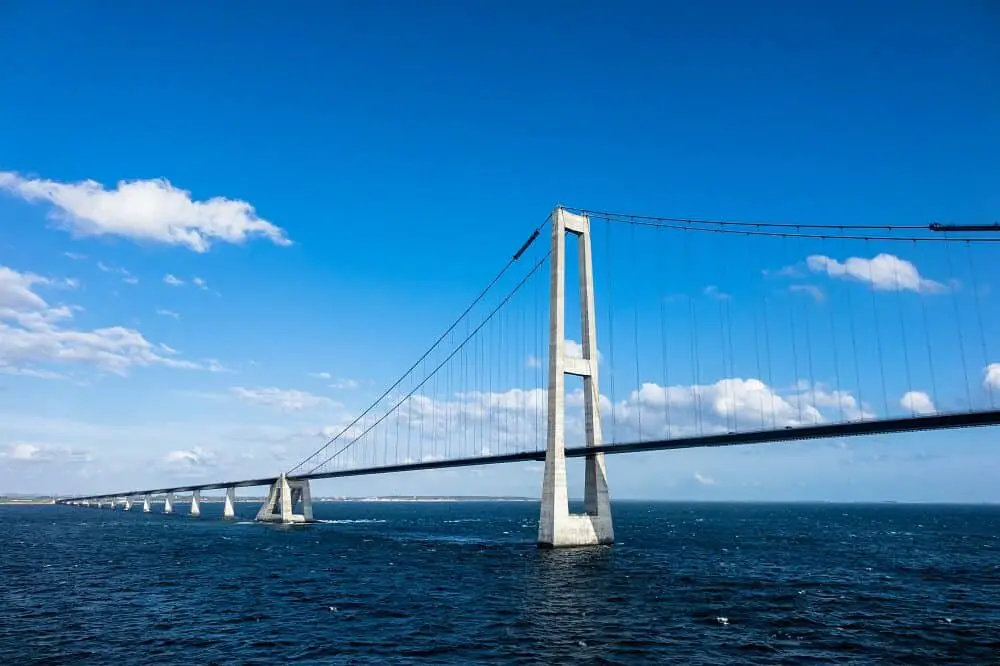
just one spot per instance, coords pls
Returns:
(462, 582)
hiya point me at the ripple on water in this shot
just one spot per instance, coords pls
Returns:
(464, 583)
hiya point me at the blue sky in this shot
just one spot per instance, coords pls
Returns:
(394, 157)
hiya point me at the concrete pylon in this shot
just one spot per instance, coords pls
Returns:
(281, 500)
(128, 504)
(196, 503)
(556, 526)
(229, 510)
(168, 503)
(146, 508)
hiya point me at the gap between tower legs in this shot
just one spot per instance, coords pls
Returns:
(558, 528)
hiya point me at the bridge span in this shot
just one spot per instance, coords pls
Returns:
(475, 397)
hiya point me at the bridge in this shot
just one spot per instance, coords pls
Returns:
(792, 332)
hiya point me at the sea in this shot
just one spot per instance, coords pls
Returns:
(463, 583)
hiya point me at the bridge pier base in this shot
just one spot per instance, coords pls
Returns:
(229, 510)
(128, 504)
(281, 501)
(195, 503)
(168, 503)
(146, 508)
(557, 528)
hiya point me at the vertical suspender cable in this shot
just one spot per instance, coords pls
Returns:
(878, 332)
(839, 392)
(902, 330)
(663, 334)
(611, 330)
(854, 340)
(635, 338)
(795, 347)
(979, 318)
(958, 330)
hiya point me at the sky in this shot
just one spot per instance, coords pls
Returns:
(225, 228)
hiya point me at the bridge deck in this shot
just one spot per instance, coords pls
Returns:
(824, 431)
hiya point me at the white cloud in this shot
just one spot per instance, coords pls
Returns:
(342, 384)
(127, 276)
(704, 480)
(145, 210)
(992, 376)
(33, 333)
(574, 349)
(172, 280)
(27, 452)
(787, 271)
(812, 290)
(213, 365)
(188, 462)
(535, 362)
(75, 256)
(917, 402)
(283, 399)
(713, 292)
(198, 282)
(883, 272)
(167, 313)
(321, 375)
(515, 420)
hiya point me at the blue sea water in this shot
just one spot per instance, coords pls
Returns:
(462, 582)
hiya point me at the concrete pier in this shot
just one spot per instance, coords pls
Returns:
(281, 500)
(146, 508)
(229, 510)
(128, 504)
(556, 526)
(196, 503)
(168, 503)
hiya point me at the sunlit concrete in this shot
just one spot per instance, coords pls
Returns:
(556, 526)
(281, 501)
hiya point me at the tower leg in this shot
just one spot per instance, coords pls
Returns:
(556, 526)
(281, 501)
(146, 508)
(229, 510)
(195, 503)
(168, 503)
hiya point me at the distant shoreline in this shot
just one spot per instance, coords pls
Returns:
(50, 501)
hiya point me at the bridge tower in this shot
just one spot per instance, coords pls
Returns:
(282, 498)
(556, 526)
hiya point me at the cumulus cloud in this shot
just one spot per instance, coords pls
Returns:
(321, 375)
(991, 377)
(515, 420)
(34, 333)
(163, 312)
(884, 272)
(198, 282)
(192, 462)
(145, 210)
(917, 402)
(172, 280)
(289, 400)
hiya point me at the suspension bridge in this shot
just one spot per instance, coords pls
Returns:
(712, 333)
